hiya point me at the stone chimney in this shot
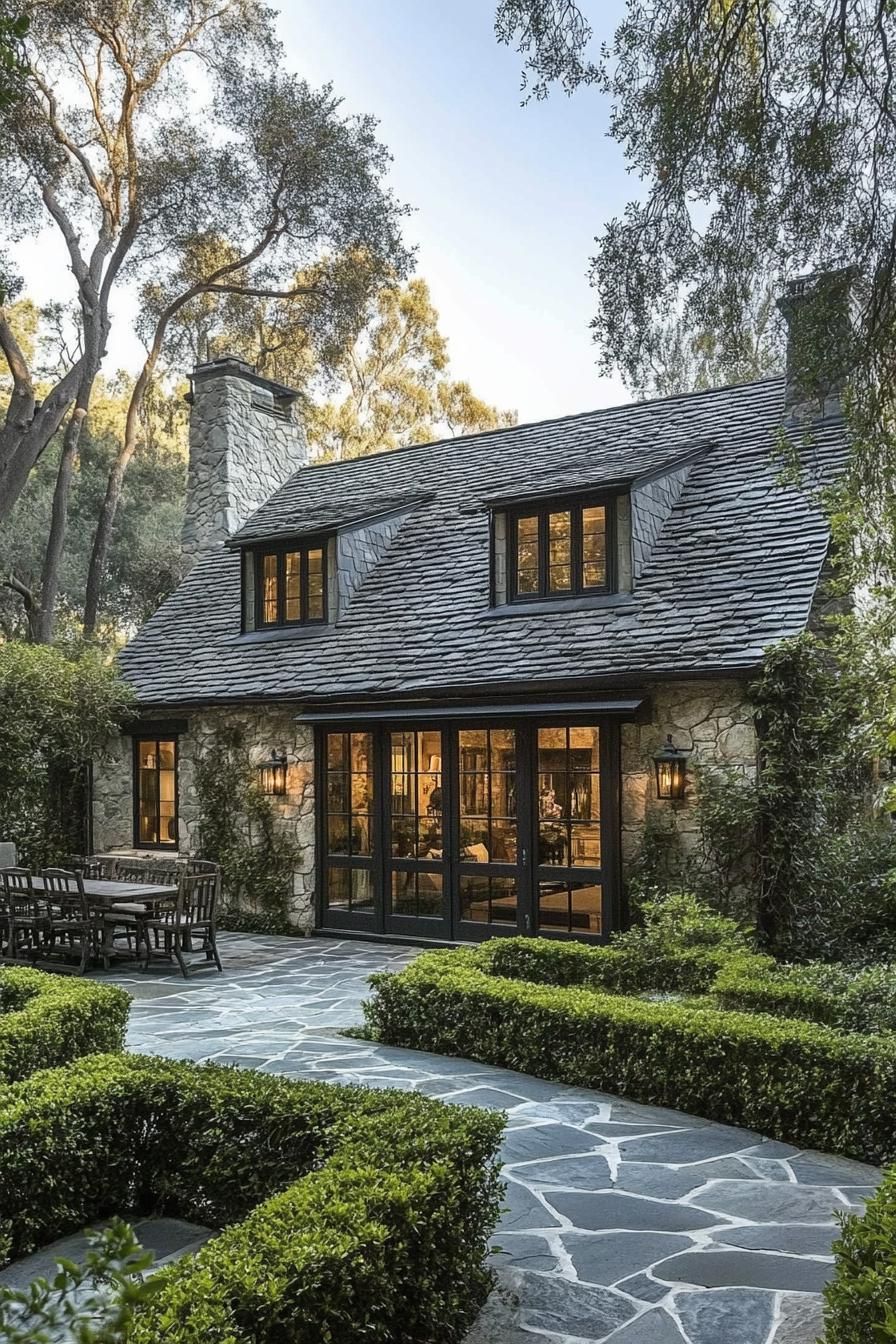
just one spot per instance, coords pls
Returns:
(245, 440)
(819, 311)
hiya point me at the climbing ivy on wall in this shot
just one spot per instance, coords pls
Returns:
(806, 852)
(238, 829)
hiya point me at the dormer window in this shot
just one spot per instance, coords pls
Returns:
(561, 549)
(290, 583)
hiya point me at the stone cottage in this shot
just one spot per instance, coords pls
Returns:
(466, 670)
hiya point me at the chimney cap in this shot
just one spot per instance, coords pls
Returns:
(234, 366)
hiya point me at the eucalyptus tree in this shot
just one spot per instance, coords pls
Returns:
(13, 27)
(763, 133)
(148, 123)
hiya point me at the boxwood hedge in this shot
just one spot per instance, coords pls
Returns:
(47, 1020)
(625, 967)
(349, 1214)
(796, 1081)
(860, 1300)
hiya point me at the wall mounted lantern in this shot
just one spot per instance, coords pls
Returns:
(272, 775)
(670, 763)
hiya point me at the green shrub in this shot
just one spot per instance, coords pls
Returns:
(46, 1020)
(860, 1300)
(840, 996)
(350, 1214)
(796, 1081)
(680, 947)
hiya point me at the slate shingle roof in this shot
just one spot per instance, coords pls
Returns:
(734, 568)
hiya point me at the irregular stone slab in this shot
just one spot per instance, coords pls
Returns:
(801, 1320)
(547, 1302)
(689, 1145)
(791, 1238)
(771, 1203)
(819, 1169)
(550, 1140)
(523, 1251)
(733, 1316)
(610, 1256)
(745, 1269)
(621, 1129)
(654, 1327)
(646, 1114)
(766, 1168)
(655, 1180)
(490, 1098)
(523, 1211)
(643, 1287)
(569, 1173)
(771, 1148)
(498, 1323)
(565, 1112)
(635, 1213)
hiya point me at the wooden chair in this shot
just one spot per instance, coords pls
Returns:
(126, 920)
(192, 916)
(72, 922)
(26, 913)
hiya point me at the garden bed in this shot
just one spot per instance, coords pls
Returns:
(798, 1081)
(47, 1020)
(348, 1213)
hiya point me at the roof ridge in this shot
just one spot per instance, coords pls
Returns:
(537, 424)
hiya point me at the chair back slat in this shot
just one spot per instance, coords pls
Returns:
(198, 898)
(16, 880)
(64, 889)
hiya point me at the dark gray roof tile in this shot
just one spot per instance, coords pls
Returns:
(733, 569)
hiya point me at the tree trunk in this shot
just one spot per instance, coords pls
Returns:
(103, 536)
(49, 586)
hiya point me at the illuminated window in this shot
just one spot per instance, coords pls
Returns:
(155, 792)
(291, 585)
(559, 551)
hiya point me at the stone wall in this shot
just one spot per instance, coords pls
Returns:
(712, 720)
(264, 729)
(245, 442)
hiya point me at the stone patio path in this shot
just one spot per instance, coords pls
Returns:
(624, 1224)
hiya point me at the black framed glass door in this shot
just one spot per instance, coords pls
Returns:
(416, 890)
(463, 832)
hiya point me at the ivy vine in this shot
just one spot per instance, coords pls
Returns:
(238, 829)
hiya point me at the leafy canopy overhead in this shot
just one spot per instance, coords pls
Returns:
(147, 127)
(764, 134)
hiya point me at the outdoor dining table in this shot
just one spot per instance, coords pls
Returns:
(105, 894)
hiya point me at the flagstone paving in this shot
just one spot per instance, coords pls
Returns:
(624, 1224)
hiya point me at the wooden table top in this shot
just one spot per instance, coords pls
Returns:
(106, 892)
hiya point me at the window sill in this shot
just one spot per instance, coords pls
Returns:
(556, 605)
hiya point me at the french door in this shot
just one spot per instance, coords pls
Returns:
(461, 832)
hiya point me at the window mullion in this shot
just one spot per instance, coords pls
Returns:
(543, 542)
(303, 583)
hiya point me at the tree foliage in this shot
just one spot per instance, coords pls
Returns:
(144, 129)
(689, 358)
(58, 711)
(395, 387)
(13, 27)
(764, 133)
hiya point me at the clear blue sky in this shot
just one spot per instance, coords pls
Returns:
(507, 199)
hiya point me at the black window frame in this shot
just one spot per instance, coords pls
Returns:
(574, 506)
(281, 550)
(156, 737)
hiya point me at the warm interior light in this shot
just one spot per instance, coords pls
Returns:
(670, 763)
(272, 775)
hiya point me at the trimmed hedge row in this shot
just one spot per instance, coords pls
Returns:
(839, 996)
(795, 1081)
(350, 1213)
(860, 1300)
(46, 1020)
(623, 968)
